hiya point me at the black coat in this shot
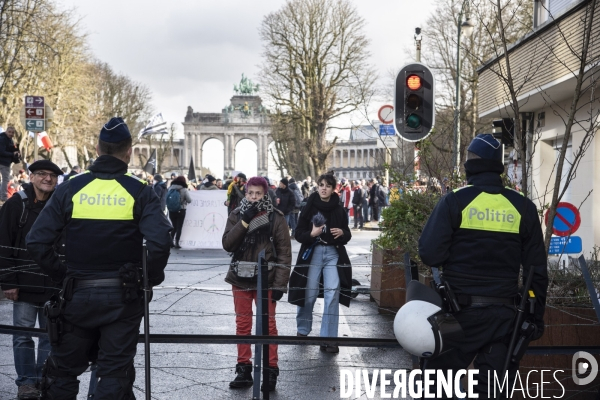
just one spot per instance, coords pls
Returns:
(7, 149)
(287, 200)
(338, 219)
(33, 285)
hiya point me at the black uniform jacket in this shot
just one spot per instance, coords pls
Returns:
(149, 223)
(480, 262)
(337, 219)
(17, 268)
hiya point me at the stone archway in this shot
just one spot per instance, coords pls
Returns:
(244, 118)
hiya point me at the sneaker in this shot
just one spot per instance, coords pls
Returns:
(299, 334)
(273, 374)
(243, 378)
(28, 392)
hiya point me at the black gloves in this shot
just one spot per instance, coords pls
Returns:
(249, 214)
(276, 295)
(539, 330)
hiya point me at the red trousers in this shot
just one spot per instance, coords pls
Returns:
(242, 301)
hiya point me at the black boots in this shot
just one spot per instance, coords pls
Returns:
(273, 374)
(243, 378)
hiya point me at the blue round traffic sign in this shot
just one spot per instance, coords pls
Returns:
(566, 221)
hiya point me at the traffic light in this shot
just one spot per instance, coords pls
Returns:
(414, 102)
(507, 126)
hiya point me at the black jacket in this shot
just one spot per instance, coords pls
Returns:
(337, 219)
(7, 149)
(481, 262)
(16, 269)
(151, 222)
(287, 200)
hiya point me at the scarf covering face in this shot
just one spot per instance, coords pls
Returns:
(265, 207)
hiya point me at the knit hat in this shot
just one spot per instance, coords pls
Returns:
(486, 146)
(210, 178)
(292, 180)
(158, 178)
(114, 131)
(284, 181)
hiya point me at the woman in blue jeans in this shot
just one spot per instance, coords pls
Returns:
(323, 262)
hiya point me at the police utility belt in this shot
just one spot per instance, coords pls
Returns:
(130, 281)
(248, 270)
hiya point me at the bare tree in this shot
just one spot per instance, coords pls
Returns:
(315, 68)
(439, 52)
(567, 51)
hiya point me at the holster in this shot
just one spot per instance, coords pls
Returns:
(53, 310)
(131, 275)
(447, 294)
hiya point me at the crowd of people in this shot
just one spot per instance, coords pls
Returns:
(79, 237)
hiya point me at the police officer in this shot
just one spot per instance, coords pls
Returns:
(480, 235)
(106, 213)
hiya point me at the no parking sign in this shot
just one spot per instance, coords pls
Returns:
(567, 219)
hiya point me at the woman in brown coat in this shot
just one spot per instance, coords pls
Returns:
(252, 227)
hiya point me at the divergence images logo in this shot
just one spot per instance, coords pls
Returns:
(580, 367)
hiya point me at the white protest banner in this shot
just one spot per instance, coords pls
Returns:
(205, 220)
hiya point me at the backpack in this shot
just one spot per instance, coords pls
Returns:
(22, 221)
(173, 200)
(357, 198)
(299, 198)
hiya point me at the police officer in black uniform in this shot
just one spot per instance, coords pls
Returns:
(480, 235)
(106, 214)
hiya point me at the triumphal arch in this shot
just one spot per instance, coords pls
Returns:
(244, 118)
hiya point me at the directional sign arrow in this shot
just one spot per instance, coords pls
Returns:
(30, 124)
(39, 100)
(30, 112)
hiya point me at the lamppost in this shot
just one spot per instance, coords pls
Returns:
(465, 28)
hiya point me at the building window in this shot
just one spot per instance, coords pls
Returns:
(541, 119)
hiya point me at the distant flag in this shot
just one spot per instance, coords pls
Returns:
(192, 171)
(43, 140)
(156, 125)
(150, 166)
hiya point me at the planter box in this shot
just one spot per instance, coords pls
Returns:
(388, 281)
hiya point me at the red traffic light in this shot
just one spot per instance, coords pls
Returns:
(413, 82)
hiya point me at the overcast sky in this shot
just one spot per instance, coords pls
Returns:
(191, 52)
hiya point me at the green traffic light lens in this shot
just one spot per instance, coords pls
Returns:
(413, 121)
(414, 101)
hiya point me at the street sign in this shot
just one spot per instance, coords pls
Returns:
(34, 101)
(48, 115)
(34, 113)
(386, 114)
(567, 219)
(387, 130)
(35, 116)
(565, 245)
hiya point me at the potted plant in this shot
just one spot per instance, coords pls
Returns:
(401, 228)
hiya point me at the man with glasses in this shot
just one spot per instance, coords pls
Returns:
(8, 154)
(25, 285)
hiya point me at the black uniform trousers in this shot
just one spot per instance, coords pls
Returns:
(487, 332)
(114, 326)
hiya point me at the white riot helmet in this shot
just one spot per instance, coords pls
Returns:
(421, 326)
